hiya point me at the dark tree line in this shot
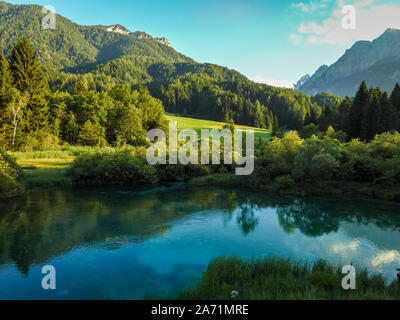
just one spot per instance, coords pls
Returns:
(369, 113)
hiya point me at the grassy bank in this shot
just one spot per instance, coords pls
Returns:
(55, 172)
(323, 188)
(278, 279)
(47, 172)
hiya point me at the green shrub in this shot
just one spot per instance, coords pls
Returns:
(45, 143)
(284, 182)
(10, 176)
(112, 168)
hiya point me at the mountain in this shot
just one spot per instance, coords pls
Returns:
(71, 46)
(117, 28)
(102, 56)
(313, 78)
(377, 62)
(129, 57)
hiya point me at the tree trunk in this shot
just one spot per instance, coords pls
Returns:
(15, 123)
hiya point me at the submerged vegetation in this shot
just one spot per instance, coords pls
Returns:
(279, 279)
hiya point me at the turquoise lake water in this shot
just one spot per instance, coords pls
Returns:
(134, 244)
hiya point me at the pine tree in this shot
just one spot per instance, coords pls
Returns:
(344, 115)
(275, 126)
(387, 114)
(29, 80)
(5, 85)
(395, 97)
(395, 100)
(371, 120)
(6, 96)
(5, 78)
(358, 111)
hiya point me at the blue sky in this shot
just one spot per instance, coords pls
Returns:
(269, 41)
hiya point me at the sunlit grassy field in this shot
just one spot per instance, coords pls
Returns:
(198, 124)
(46, 172)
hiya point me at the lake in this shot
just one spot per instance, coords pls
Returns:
(140, 243)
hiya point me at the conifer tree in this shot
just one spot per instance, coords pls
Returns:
(30, 81)
(358, 111)
(371, 119)
(5, 85)
(387, 114)
(395, 97)
(395, 100)
(275, 126)
(6, 97)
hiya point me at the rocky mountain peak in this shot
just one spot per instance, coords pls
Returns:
(117, 28)
(164, 41)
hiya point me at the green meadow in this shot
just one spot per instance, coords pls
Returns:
(198, 124)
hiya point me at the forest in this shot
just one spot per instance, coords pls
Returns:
(315, 138)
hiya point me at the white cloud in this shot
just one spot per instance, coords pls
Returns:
(371, 22)
(273, 82)
(296, 38)
(311, 6)
(386, 257)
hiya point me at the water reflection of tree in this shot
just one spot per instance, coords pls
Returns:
(317, 217)
(44, 224)
(247, 219)
(311, 220)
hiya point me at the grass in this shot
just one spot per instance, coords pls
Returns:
(63, 153)
(198, 124)
(279, 279)
(46, 172)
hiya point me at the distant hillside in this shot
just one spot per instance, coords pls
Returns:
(103, 56)
(377, 62)
(73, 46)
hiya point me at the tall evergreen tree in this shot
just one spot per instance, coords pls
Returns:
(5, 78)
(395, 100)
(395, 97)
(387, 114)
(357, 112)
(29, 80)
(343, 117)
(371, 119)
(275, 126)
(5, 100)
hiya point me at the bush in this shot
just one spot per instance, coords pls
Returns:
(11, 176)
(323, 166)
(284, 182)
(46, 143)
(112, 168)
